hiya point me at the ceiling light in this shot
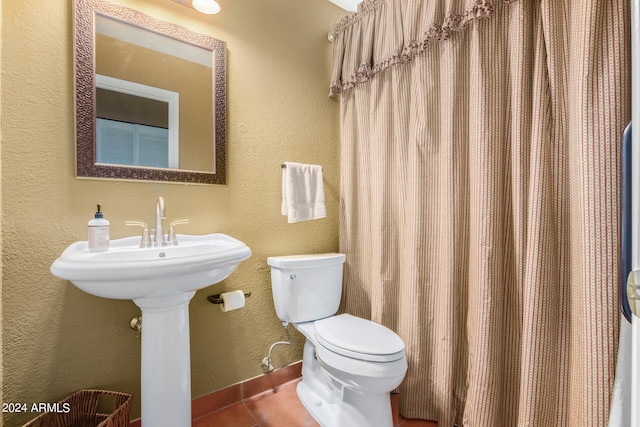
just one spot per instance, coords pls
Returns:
(210, 7)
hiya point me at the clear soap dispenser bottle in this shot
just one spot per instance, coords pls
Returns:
(98, 232)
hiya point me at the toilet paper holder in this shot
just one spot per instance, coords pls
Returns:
(216, 299)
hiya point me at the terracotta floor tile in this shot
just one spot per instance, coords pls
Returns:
(276, 407)
(280, 408)
(419, 423)
(397, 418)
(236, 415)
(215, 401)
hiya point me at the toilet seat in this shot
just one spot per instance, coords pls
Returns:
(359, 338)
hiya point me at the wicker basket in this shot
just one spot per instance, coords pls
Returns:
(83, 411)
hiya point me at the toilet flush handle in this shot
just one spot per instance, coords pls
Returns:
(292, 276)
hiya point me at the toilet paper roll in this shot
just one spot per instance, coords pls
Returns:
(232, 300)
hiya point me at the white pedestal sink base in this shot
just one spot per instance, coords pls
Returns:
(166, 366)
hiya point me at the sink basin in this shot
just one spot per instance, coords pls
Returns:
(127, 271)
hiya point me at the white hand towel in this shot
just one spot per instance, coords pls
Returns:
(302, 192)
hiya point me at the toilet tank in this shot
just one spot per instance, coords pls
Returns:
(306, 287)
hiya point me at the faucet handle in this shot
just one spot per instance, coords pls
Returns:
(145, 241)
(172, 233)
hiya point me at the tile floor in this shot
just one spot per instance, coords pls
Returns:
(279, 407)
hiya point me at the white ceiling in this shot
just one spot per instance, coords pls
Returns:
(351, 5)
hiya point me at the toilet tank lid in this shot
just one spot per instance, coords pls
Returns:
(306, 260)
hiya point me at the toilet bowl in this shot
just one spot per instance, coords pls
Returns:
(350, 365)
(341, 384)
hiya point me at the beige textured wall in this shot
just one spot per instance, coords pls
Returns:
(58, 339)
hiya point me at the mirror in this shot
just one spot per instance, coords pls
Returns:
(150, 98)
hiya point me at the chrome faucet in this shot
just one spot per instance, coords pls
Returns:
(159, 235)
(158, 238)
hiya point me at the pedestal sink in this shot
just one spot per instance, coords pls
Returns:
(161, 281)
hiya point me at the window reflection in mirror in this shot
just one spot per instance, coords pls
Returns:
(133, 124)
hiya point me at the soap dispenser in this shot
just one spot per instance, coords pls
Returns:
(98, 233)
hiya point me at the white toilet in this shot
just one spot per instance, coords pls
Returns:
(350, 365)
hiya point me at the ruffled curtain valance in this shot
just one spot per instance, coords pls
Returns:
(386, 32)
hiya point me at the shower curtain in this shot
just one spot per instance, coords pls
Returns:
(479, 200)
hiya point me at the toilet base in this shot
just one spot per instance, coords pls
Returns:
(352, 409)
